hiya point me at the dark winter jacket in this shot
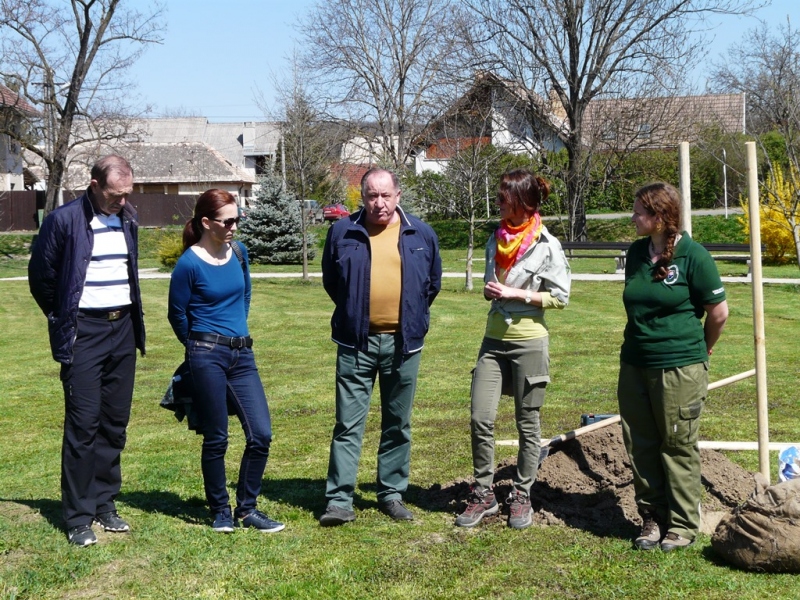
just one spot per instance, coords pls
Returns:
(57, 271)
(346, 266)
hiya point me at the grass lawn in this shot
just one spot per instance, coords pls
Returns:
(172, 552)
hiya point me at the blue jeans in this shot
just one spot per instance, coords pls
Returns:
(226, 380)
(355, 377)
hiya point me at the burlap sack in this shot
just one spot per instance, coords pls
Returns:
(763, 534)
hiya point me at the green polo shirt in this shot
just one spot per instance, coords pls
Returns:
(665, 327)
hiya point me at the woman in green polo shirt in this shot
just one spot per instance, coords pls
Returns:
(671, 282)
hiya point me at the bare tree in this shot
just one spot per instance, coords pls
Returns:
(463, 137)
(766, 67)
(68, 60)
(307, 143)
(378, 61)
(581, 51)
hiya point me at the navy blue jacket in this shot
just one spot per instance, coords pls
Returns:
(346, 266)
(57, 271)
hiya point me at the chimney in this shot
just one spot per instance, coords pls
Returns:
(249, 136)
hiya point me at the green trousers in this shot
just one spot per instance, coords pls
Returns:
(355, 377)
(522, 369)
(660, 411)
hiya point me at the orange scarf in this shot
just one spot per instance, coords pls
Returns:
(512, 242)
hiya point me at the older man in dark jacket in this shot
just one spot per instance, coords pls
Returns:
(83, 275)
(382, 269)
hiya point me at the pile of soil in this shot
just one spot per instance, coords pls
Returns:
(587, 483)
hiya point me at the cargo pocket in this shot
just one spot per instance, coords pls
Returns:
(686, 429)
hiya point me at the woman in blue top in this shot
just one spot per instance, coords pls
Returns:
(209, 300)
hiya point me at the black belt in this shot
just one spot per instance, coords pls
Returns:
(109, 314)
(231, 342)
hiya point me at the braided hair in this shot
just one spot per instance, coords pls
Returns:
(663, 201)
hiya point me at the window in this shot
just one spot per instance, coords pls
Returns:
(644, 130)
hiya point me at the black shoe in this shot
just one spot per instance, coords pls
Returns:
(82, 535)
(223, 521)
(111, 521)
(396, 510)
(260, 522)
(336, 515)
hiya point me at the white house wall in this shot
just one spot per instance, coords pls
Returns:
(10, 165)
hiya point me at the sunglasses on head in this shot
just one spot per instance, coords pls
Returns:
(228, 223)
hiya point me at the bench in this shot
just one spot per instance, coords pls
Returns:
(620, 248)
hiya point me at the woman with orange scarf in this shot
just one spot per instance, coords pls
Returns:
(526, 274)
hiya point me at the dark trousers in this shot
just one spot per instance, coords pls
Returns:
(98, 388)
(355, 377)
(226, 380)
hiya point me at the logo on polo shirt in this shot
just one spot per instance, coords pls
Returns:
(672, 275)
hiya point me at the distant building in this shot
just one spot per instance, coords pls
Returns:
(13, 111)
(184, 155)
(501, 113)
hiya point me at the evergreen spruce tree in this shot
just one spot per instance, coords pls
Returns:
(271, 228)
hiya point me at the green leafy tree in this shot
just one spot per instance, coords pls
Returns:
(272, 227)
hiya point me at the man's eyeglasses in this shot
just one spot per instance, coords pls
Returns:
(228, 223)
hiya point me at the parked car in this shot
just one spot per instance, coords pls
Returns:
(334, 212)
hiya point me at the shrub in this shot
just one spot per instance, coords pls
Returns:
(780, 215)
(170, 248)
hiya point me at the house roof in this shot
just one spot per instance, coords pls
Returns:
(13, 100)
(476, 104)
(234, 141)
(183, 162)
(670, 119)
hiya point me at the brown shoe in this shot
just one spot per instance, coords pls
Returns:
(673, 541)
(481, 503)
(650, 535)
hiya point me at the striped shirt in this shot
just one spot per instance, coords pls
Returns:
(107, 284)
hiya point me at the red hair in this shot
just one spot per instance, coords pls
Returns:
(208, 205)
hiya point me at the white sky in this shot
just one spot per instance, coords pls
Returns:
(216, 55)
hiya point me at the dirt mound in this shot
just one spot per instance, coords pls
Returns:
(586, 483)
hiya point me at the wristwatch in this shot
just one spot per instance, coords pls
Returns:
(528, 297)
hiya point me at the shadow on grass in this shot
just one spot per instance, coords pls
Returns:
(48, 508)
(193, 510)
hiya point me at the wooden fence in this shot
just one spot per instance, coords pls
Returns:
(19, 210)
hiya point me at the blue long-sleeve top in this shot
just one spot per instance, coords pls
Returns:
(209, 298)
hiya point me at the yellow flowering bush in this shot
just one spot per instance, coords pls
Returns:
(780, 215)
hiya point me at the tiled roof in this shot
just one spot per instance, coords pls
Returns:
(233, 140)
(662, 122)
(183, 162)
(13, 100)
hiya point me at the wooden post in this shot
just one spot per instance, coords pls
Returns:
(686, 187)
(754, 202)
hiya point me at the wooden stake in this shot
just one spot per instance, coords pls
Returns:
(758, 310)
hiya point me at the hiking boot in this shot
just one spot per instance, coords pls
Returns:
(260, 522)
(650, 535)
(82, 535)
(673, 541)
(336, 515)
(480, 503)
(223, 521)
(396, 510)
(111, 521)
(520, 513)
